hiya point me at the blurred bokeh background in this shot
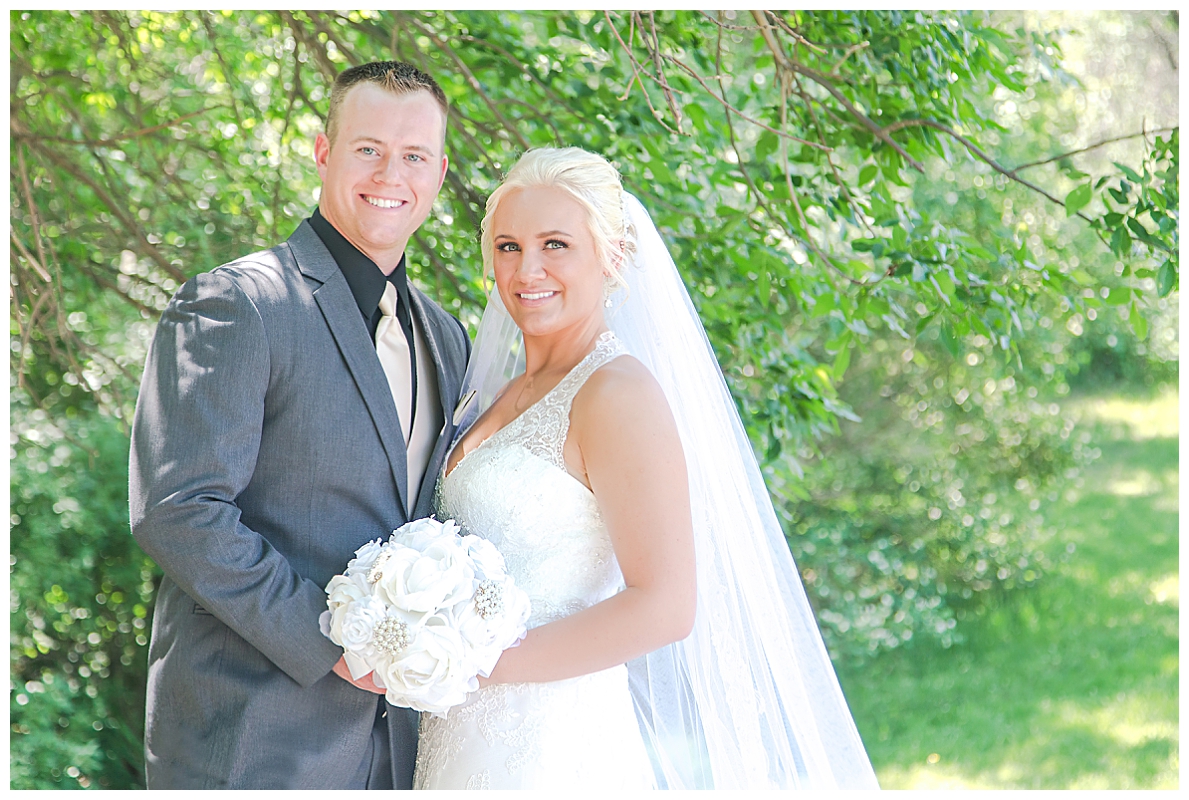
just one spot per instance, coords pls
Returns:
(958, 366)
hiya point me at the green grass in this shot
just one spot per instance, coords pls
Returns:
(1074, 683)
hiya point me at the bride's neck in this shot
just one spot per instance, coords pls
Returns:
(560, 351)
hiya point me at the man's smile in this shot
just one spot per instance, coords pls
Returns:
(380, 202)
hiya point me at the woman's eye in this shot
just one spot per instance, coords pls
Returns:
(507, 247)
(555, 244)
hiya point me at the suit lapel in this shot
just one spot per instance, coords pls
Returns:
(341, 313)
(449, 384)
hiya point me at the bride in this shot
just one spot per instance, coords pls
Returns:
(670, 643)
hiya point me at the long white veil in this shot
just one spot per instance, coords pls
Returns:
(750, 698)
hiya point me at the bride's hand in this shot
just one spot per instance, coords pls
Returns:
(366, 683)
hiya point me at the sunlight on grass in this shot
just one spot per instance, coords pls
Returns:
(1166, 590)
(1070, 685)
(930, 776)
(1124, 724)
(1154, 418)
(1138, 484)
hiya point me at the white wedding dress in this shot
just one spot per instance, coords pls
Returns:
(581, 733)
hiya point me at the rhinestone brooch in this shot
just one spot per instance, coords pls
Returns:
(377, 570)
(391, 636)
(489, 599)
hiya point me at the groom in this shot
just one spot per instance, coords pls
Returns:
(295, 404)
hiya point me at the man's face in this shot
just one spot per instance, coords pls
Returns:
(381, 176)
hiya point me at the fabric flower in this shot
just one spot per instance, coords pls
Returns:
(422, 582)
(433, 675)
(424, 613)
(364, 557)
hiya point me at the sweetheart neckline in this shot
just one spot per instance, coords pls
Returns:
(544, 461)
(446, 461)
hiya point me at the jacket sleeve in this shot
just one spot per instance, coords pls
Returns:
(195, 437)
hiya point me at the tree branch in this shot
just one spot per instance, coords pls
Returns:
(1095, 146)
(973, 148)
(111, 141)
(740, 114)
(471, 79)
(325, 66)
(635, 69)
(132, 228)
(211, 38)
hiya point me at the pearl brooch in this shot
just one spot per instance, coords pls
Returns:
(391, 636)
(489, 599)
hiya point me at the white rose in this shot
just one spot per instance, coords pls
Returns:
(432, 674)
(419, 533)
(356, 625)
(364, 558)
(489, 561)
(487, 638)
(344, 589)
(423, 582)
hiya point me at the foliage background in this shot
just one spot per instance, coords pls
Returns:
(776, 153)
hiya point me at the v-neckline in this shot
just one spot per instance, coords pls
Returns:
(445, 462)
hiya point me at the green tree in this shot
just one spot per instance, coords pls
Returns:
(786, 156)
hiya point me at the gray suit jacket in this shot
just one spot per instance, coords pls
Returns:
(265, 449)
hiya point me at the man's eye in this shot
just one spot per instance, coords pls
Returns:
(414, 157)
(368, 151)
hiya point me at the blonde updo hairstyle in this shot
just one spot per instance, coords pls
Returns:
(589, 179)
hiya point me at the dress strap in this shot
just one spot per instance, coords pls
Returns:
(542, 429)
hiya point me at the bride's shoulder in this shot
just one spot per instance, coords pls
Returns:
(620, 390)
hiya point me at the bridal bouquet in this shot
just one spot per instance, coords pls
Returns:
(427, 611)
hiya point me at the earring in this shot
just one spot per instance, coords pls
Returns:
(609, 286)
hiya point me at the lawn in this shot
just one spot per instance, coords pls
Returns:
(1074, 683)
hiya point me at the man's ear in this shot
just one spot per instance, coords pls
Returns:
(322, 154)
(445, 166)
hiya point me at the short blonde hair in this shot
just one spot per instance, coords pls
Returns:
(396, 77)
(589, 179)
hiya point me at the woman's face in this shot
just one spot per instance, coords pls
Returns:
(546, 269)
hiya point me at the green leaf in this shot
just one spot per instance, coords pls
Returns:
(1138, 323)
(1128, 171)
(868, 173)
(1166, 279)
(949, 340)
(841, 362)
(764, 282)
(1078, 199)
(1118, 296)
(766, 145)
(1121, 242)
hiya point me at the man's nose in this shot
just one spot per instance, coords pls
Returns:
(388, 171)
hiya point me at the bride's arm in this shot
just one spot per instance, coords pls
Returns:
(633, 460)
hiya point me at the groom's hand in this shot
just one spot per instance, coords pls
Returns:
(366, 683)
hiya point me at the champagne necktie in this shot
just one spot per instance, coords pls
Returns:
(393, 346)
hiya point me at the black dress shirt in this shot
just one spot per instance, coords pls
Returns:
(367, 284)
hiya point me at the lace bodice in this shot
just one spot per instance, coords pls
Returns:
(514, 490)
